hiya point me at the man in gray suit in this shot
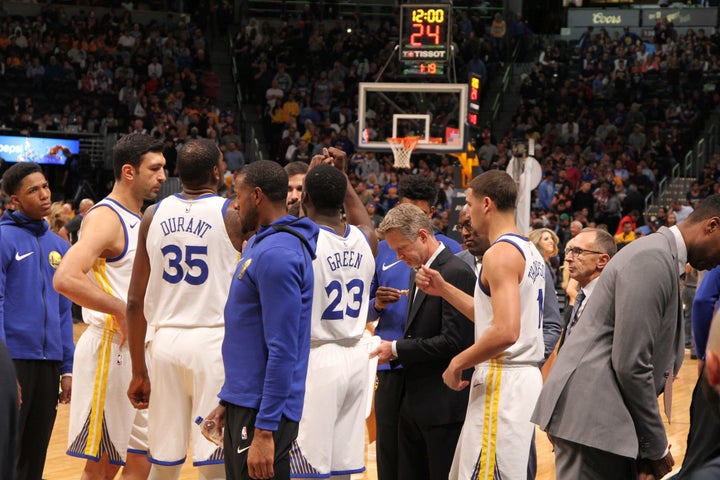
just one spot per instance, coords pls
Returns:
(599, 403)
(586, 255)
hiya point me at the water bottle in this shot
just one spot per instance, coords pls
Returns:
(209, 431)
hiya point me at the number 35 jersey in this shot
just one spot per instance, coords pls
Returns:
(344, 267)
(192, 261)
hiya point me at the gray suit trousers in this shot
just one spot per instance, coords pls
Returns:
(580, 462)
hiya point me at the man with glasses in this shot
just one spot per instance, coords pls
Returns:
(586, 256)
(599, 404)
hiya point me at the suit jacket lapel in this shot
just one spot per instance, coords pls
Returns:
(415, 304)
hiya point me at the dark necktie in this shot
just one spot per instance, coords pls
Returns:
(576, 311)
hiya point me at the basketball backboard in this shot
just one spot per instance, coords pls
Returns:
(436, 112)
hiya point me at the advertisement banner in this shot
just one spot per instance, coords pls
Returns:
(53, 151)
(683, 17)
(599, 17)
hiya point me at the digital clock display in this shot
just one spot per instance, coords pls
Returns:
(424, 37)
(424, 68)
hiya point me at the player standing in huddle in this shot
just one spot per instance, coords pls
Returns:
(389, 306)
(104, 427)
(267, 329)
(186, 255)
(332, 429)
(507, 310)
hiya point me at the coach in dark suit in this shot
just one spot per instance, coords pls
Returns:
(599, 403)
(431, 415)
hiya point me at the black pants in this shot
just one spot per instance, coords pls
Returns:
(387, 407)
(239, 431)
(8, 414)
(425, 452)
(702, 440)
(40, 381)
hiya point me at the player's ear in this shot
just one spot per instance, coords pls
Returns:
(128, 172)
(431, 211)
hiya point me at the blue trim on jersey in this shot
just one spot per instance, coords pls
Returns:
(157, 206)
(166, 464)
(204, 195)
(122, 206)
(94, 459)
(225, 207)
(208, 462)
(482, 288)
(518, 235)
(137, 451)
(111, 207)
(507, 240)
(347, 472)
(309, 475)
(344, 235)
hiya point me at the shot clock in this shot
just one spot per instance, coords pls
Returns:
(424, 38)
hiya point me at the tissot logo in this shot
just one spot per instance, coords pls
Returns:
(599, 18)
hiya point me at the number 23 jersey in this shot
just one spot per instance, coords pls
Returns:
(344, 267)
(189, 239)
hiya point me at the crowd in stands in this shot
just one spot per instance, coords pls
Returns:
(303, 75)
(100, 73)
(610, 115)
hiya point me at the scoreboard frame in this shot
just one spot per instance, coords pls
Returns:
(425, 38)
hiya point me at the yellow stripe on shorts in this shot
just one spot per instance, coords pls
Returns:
(486, 463)
(97, 412)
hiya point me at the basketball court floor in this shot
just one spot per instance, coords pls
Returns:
(62, 467)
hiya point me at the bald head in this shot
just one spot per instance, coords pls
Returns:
(85, 205)
(575, 227)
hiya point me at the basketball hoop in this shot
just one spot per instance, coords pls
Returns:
(402, 148)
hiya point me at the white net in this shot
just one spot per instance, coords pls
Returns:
(402, 149)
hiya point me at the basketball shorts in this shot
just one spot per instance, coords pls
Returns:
(102, 419)
(331, 435)
(185, 380)
(495, 438)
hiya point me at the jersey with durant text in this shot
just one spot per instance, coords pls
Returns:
(189, 239)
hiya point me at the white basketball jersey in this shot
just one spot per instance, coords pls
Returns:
(529, 347)
(112, 275)
(192, 261)
(344, 267)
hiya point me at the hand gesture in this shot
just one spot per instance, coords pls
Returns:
(429, 281)
(383, 352)
(261, 456)
(65, 389)
(139, 391)
(452, 377)
(218, 417)
(384, 296)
